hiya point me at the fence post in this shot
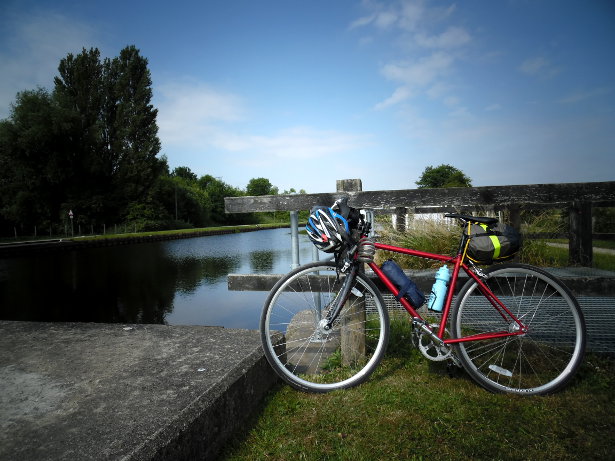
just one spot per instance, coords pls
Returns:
(401, 214)
(580, 240)
(353, 326)
(515, 216)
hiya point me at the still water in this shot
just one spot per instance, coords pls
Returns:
(178, 282)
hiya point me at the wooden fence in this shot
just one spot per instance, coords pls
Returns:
(577, 198)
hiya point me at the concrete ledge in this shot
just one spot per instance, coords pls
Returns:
(580, 280)
(142, 392)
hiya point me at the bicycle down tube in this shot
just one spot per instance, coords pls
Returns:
(484, 289)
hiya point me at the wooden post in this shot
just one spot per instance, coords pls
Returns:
(353, 323)
(401, 213)
(515, 216)
(353, 331)
(580, 243)
(349, 185)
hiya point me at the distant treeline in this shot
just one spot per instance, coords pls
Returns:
(90, 146)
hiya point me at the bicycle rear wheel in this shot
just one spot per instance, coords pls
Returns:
(540, 361)
(307, 356)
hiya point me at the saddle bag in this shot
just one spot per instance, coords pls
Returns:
(492, 244)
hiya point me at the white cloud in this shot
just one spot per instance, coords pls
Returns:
(399, 95)
(38, 42)
(403, 15)
(192, 113)
(197, 117)
(421, 73)
(307, 143)
(453, 37)
(415, 76)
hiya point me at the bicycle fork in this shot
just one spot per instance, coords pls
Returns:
(326, 324)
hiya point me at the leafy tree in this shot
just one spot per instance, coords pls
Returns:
(217, 190)
(260, 186)
(131, 118)
(443, 176)
(34, 155)
(90, 145)
(185, 173)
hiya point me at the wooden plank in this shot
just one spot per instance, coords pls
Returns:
(495, 196)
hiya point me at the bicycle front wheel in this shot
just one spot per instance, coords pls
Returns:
(540, 361)
(299, 348)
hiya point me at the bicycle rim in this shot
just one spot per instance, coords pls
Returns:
(309, 357)
(540, 361)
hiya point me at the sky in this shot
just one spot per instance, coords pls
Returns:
(307, 92)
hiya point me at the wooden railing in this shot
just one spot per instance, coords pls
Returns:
(577, 198)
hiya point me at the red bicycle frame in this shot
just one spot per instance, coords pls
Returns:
(457, 261)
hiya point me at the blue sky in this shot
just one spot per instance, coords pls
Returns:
(307, 92)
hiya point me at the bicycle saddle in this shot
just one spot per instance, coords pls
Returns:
(477, 219)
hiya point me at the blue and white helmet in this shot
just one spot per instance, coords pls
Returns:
(327, 229)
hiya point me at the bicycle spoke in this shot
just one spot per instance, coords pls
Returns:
(312, 357)
(539, 361)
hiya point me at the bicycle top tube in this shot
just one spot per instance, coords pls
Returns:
(457, 263)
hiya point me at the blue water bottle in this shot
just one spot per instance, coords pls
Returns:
(438, 291)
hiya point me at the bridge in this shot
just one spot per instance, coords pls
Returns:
(594, 289)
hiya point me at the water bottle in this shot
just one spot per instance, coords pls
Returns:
(438, 291)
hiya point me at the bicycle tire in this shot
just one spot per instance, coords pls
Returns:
(309, 358)
(540, 361)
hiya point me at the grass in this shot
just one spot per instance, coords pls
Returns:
(237, 228)
(411, 409)
(434, 237)
(185, 231)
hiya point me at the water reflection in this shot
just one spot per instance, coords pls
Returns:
(175, 282)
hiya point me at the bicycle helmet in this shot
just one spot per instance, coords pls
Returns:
(327, 229)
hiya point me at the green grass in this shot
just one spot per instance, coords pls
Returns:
(436, 238)
(183, 231)
(237, 228)
(411, 409)
(558, 257)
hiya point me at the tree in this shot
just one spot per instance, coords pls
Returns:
(34, 154)
(443, 176)
(131, 120)
(217, 190)
(91, 145)
(260, 186)
(185, 173)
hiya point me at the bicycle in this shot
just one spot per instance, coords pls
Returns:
(513, 327)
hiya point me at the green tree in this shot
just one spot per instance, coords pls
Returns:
(91, 145)
(130, 118)
(34, 160)
(217, 190)
(443, 176)
(185, 173)
(260, 186)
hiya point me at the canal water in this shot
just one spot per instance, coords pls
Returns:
(177, 282)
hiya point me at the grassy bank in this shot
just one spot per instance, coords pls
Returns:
(188, 232)
(411, 409)
(136, 235)
(434, 237)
